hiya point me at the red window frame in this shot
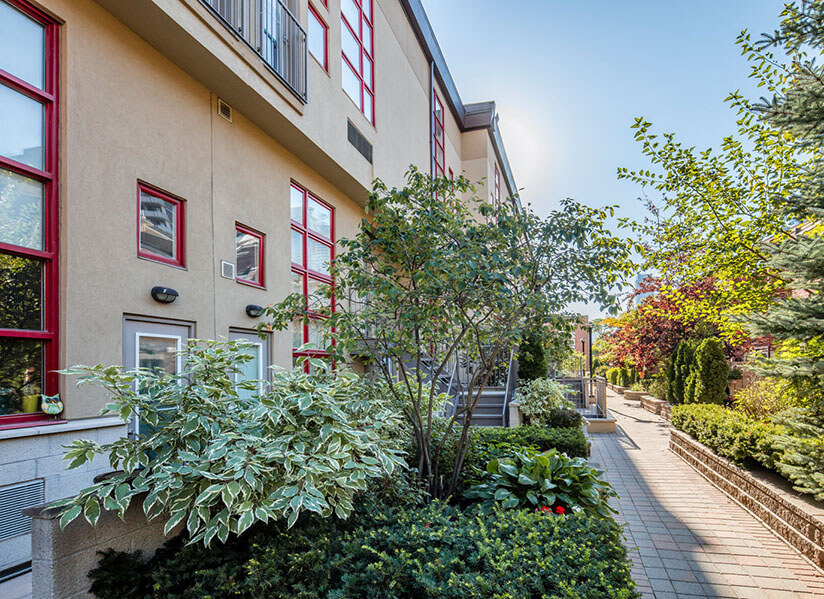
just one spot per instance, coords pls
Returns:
(180, 226)
(497, 187)
(438, 141)
(303, 269)
(261, 256)
(49, 332)
(366, 87)
(451, 175)
(314, 14)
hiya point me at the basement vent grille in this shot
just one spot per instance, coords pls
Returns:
(357, 139)
(13, 500)
(224, 110)
(227, 270)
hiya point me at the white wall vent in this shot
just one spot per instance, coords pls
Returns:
(13, 500)
(224, 110)
(227, 270)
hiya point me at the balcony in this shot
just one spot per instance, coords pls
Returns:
(273, 32)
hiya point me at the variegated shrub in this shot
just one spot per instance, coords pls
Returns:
(218, 462)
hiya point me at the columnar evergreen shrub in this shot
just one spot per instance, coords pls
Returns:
(679, 371)
(612, 375)
(709, 374)
(532, 362)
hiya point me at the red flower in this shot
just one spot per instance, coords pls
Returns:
(560, 510)
(546, 508)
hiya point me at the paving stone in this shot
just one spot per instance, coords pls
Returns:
(692, 540)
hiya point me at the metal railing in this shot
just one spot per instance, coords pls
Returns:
(271, 30)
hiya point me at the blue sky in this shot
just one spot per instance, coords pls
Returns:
(569, 77)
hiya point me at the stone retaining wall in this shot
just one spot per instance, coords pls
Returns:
(62, 559)
(631, 395)
(666, 411)
(800, 529)
(652, 405)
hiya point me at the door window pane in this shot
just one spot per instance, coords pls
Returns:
(247, 255)
(317, 294)
(21, 46)
(297, 334)
(21, 299)
(319, 218)
(21, 375)
(158, 353)
(319, 256)
(21, 210)
(315, 336)
(297, 205)
(251, 370)
(297, 247)
(351, 83)
(158, 226)
(21, 128)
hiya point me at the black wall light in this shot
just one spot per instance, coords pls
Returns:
(164, 295)
(254, 311)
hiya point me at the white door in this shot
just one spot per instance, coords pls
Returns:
(256, 369)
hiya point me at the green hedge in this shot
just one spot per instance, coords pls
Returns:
(437, 552)
(730, 434)
(568, 440)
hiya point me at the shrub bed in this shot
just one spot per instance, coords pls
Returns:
(732, 435)
(436, 552)
(569, 440)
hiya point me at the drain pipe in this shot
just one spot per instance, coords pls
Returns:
(431, 117)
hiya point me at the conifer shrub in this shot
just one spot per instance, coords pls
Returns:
(707, 380)
(437, 552)
(532, 362)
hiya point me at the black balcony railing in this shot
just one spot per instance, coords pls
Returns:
(272, 31)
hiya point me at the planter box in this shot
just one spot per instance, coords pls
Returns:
(799, 522)
(652, 405)
(619, 390)
(666, 411)
(633, 395)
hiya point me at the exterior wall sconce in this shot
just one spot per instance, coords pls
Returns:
(164, 295)
(254, 311)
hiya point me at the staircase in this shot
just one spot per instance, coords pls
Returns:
(490, 408)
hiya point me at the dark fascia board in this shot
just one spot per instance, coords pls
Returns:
(480, 115)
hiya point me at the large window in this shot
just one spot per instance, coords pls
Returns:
(438, 136)
(313, 249)
(161, 229)
(28, 211)
(318, 38)
(249, 250)
(358, 55)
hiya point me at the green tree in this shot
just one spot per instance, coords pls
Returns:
(432, 275)
(708, 374)
(797, 320)
(532, 362)
(679, 371)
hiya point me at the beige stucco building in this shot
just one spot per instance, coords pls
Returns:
(219, 148)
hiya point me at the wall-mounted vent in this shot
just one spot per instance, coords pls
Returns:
(227, 270)
(357, 139)
(13, 500)
(224, 110)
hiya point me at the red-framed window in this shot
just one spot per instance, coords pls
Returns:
(313, 250)
(497, 193)
(161, 226)
(29, 208)
(438, 136)
(358, 58)
(250, 256)
(318, 38)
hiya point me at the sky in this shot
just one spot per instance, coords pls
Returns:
(569, 78)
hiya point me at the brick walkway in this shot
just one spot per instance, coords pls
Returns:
(692, 540)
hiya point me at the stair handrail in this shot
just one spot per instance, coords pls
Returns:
(509, 391)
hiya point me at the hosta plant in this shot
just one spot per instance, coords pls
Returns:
(546, 479)
(218, 461)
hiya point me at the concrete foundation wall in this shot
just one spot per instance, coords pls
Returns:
(37, 454)
(62, 559)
